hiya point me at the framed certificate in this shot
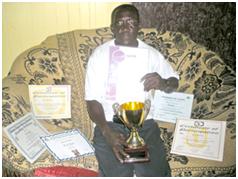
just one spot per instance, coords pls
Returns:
(199, 138)
(68, 145)
(50, 101)
(25, 134)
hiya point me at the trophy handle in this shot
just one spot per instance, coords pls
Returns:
(121, 114)
(118, 112)
(145, 111)
(116, 108)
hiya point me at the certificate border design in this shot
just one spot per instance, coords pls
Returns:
(25, 119)
(62, 134)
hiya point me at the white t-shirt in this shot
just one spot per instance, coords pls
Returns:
(113, 78)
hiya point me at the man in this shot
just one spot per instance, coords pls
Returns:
(110, 135)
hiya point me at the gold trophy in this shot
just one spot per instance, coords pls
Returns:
(133, 114)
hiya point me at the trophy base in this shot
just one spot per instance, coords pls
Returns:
(137, 155)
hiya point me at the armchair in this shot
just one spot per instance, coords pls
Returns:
(62, 59)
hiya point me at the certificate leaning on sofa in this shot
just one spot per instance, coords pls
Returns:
(68, 145)
(171, 106)
(199, 138)
(25, 134)
(50, 101)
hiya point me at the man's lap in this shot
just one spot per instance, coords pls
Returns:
(110, 166)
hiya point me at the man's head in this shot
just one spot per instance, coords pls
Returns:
(125, 25)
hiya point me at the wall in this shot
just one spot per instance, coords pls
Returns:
(212, 24)
(27, 24)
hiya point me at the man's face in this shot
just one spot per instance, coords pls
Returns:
(125, 28)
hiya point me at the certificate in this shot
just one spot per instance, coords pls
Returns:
(25, 135)
(170, 106)
(68, 145)
(199, 138)
(50, 101)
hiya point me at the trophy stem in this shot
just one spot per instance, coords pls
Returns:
(135, 141)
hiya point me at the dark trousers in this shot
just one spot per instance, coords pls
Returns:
(109, 165)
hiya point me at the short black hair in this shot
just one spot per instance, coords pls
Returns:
(124, 7)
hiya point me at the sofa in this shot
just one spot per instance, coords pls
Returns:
(62, 59)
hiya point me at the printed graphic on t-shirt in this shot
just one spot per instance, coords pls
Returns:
(127, 65)
(115, 57)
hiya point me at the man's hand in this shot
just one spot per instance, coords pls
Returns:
(117, 142)
(115, 139)
(155, 81)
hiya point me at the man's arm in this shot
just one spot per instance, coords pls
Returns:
(155, 81)
(115, 139)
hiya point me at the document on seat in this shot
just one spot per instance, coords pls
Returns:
(168, 107)
(25, 134)
(50, 101)
(68, 145)
(199, 138)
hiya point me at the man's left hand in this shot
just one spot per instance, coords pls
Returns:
(153, 81)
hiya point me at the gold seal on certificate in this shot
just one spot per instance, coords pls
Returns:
(50, 101)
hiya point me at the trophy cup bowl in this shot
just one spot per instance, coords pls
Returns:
(133, 114)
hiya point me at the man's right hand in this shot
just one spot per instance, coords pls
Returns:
(117, 142)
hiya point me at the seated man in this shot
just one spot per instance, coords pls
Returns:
(110, 135)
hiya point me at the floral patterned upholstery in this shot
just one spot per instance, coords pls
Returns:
(62, 59)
